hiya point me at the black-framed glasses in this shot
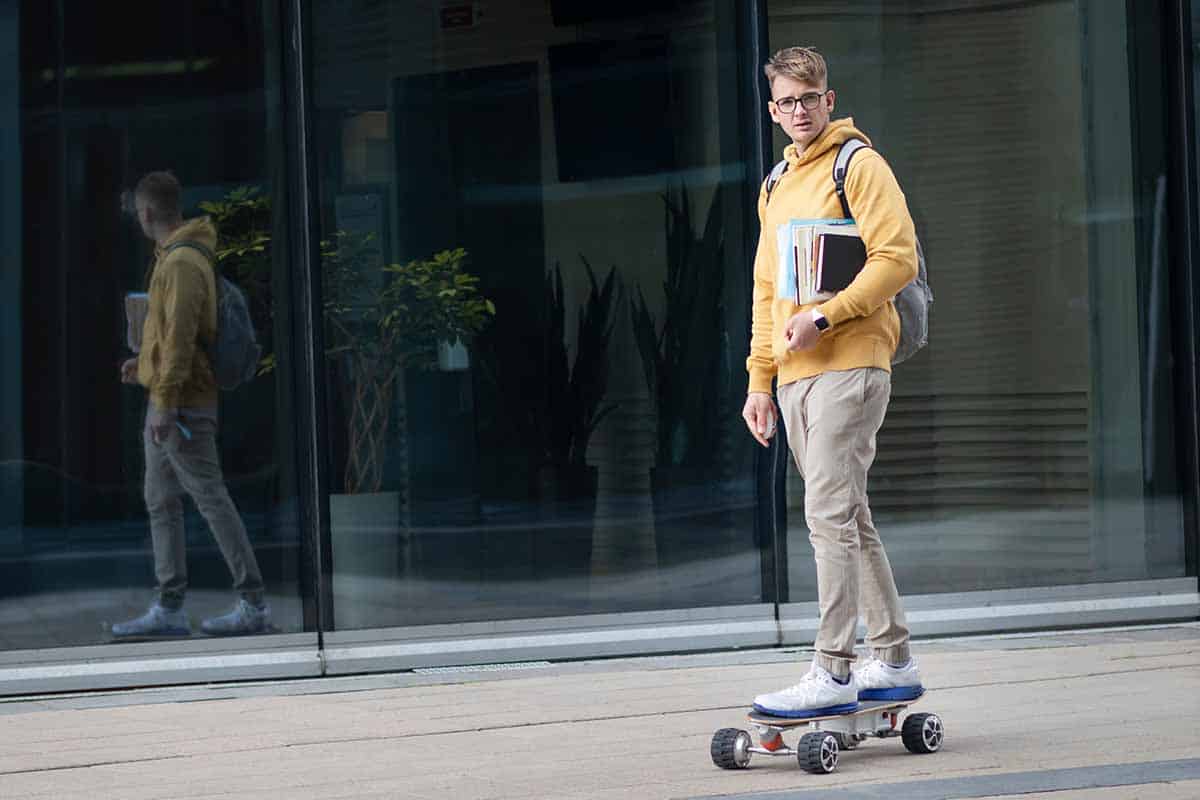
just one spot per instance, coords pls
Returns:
(808, 100)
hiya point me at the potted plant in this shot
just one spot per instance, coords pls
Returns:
(681, 352)
(555, 404)
(380, 324)
(381, 321)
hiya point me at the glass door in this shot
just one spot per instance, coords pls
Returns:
(536, 309)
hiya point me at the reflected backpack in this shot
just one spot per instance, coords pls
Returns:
(235, 352)
(913, 301)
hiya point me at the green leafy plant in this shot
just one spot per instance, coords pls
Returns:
(681, 353)
(381, 321)
(243, 221)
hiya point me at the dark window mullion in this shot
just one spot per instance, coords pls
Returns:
(308, 333)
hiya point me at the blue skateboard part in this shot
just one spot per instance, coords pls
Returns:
(828, 711)
(895, 693)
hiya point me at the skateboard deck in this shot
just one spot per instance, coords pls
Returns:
(864, 707)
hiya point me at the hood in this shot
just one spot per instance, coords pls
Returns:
(199, 230)
(836, 133)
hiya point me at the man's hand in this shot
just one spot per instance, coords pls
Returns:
(801, 331)
(129, 370)
(160, 422)
(759, 413)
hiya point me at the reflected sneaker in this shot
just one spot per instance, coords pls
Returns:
(879, 681)
(158, 621)
(816, 695)
(244, 619)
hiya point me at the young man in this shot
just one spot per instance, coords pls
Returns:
(180, 434)
(832, 361)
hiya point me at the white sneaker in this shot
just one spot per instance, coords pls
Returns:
(243, 620)
(879, 681)
(816, 695)
(156, 622)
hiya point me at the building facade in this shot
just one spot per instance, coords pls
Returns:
(498, 256)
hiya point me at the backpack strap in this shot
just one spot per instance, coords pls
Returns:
(202, 249)
(207, 252)
(841, 166)
(774, 176)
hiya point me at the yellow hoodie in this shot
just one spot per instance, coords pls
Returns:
(864, 326)
(180, 321)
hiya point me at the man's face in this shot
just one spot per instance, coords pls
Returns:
(803, 125)
(144, 216)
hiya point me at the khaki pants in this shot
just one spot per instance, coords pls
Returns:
(181, 465)
(831, 424)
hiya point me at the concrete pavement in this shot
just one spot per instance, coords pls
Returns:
(1091, 714)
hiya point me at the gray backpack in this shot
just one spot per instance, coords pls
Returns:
(234, 354)
(913, 301)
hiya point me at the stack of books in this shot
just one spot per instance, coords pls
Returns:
(818, 258)
(137, 304)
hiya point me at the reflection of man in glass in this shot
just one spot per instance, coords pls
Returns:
(832, 361)
(180, 433)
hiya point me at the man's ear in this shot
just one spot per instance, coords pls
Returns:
(830, 99)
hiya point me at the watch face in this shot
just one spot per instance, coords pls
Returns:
(821, 323)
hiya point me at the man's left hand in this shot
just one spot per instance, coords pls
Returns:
(801, 331)
(160, 422)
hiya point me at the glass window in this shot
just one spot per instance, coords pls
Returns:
(1027, 444)
(92, 517)
(536, 310)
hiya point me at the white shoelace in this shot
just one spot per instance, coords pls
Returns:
(872, 666)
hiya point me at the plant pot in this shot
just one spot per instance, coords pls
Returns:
(367, 540)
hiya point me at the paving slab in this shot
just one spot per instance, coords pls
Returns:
(1183, 790)
(622, 729)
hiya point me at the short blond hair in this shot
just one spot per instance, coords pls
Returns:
(799, 63)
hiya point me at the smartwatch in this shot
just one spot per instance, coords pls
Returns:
(820, 321)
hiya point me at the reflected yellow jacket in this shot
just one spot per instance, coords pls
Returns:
(181, 319)
(864, 325)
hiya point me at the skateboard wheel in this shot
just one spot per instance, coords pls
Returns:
(923, 733)
(818, 752)
(730, 749)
